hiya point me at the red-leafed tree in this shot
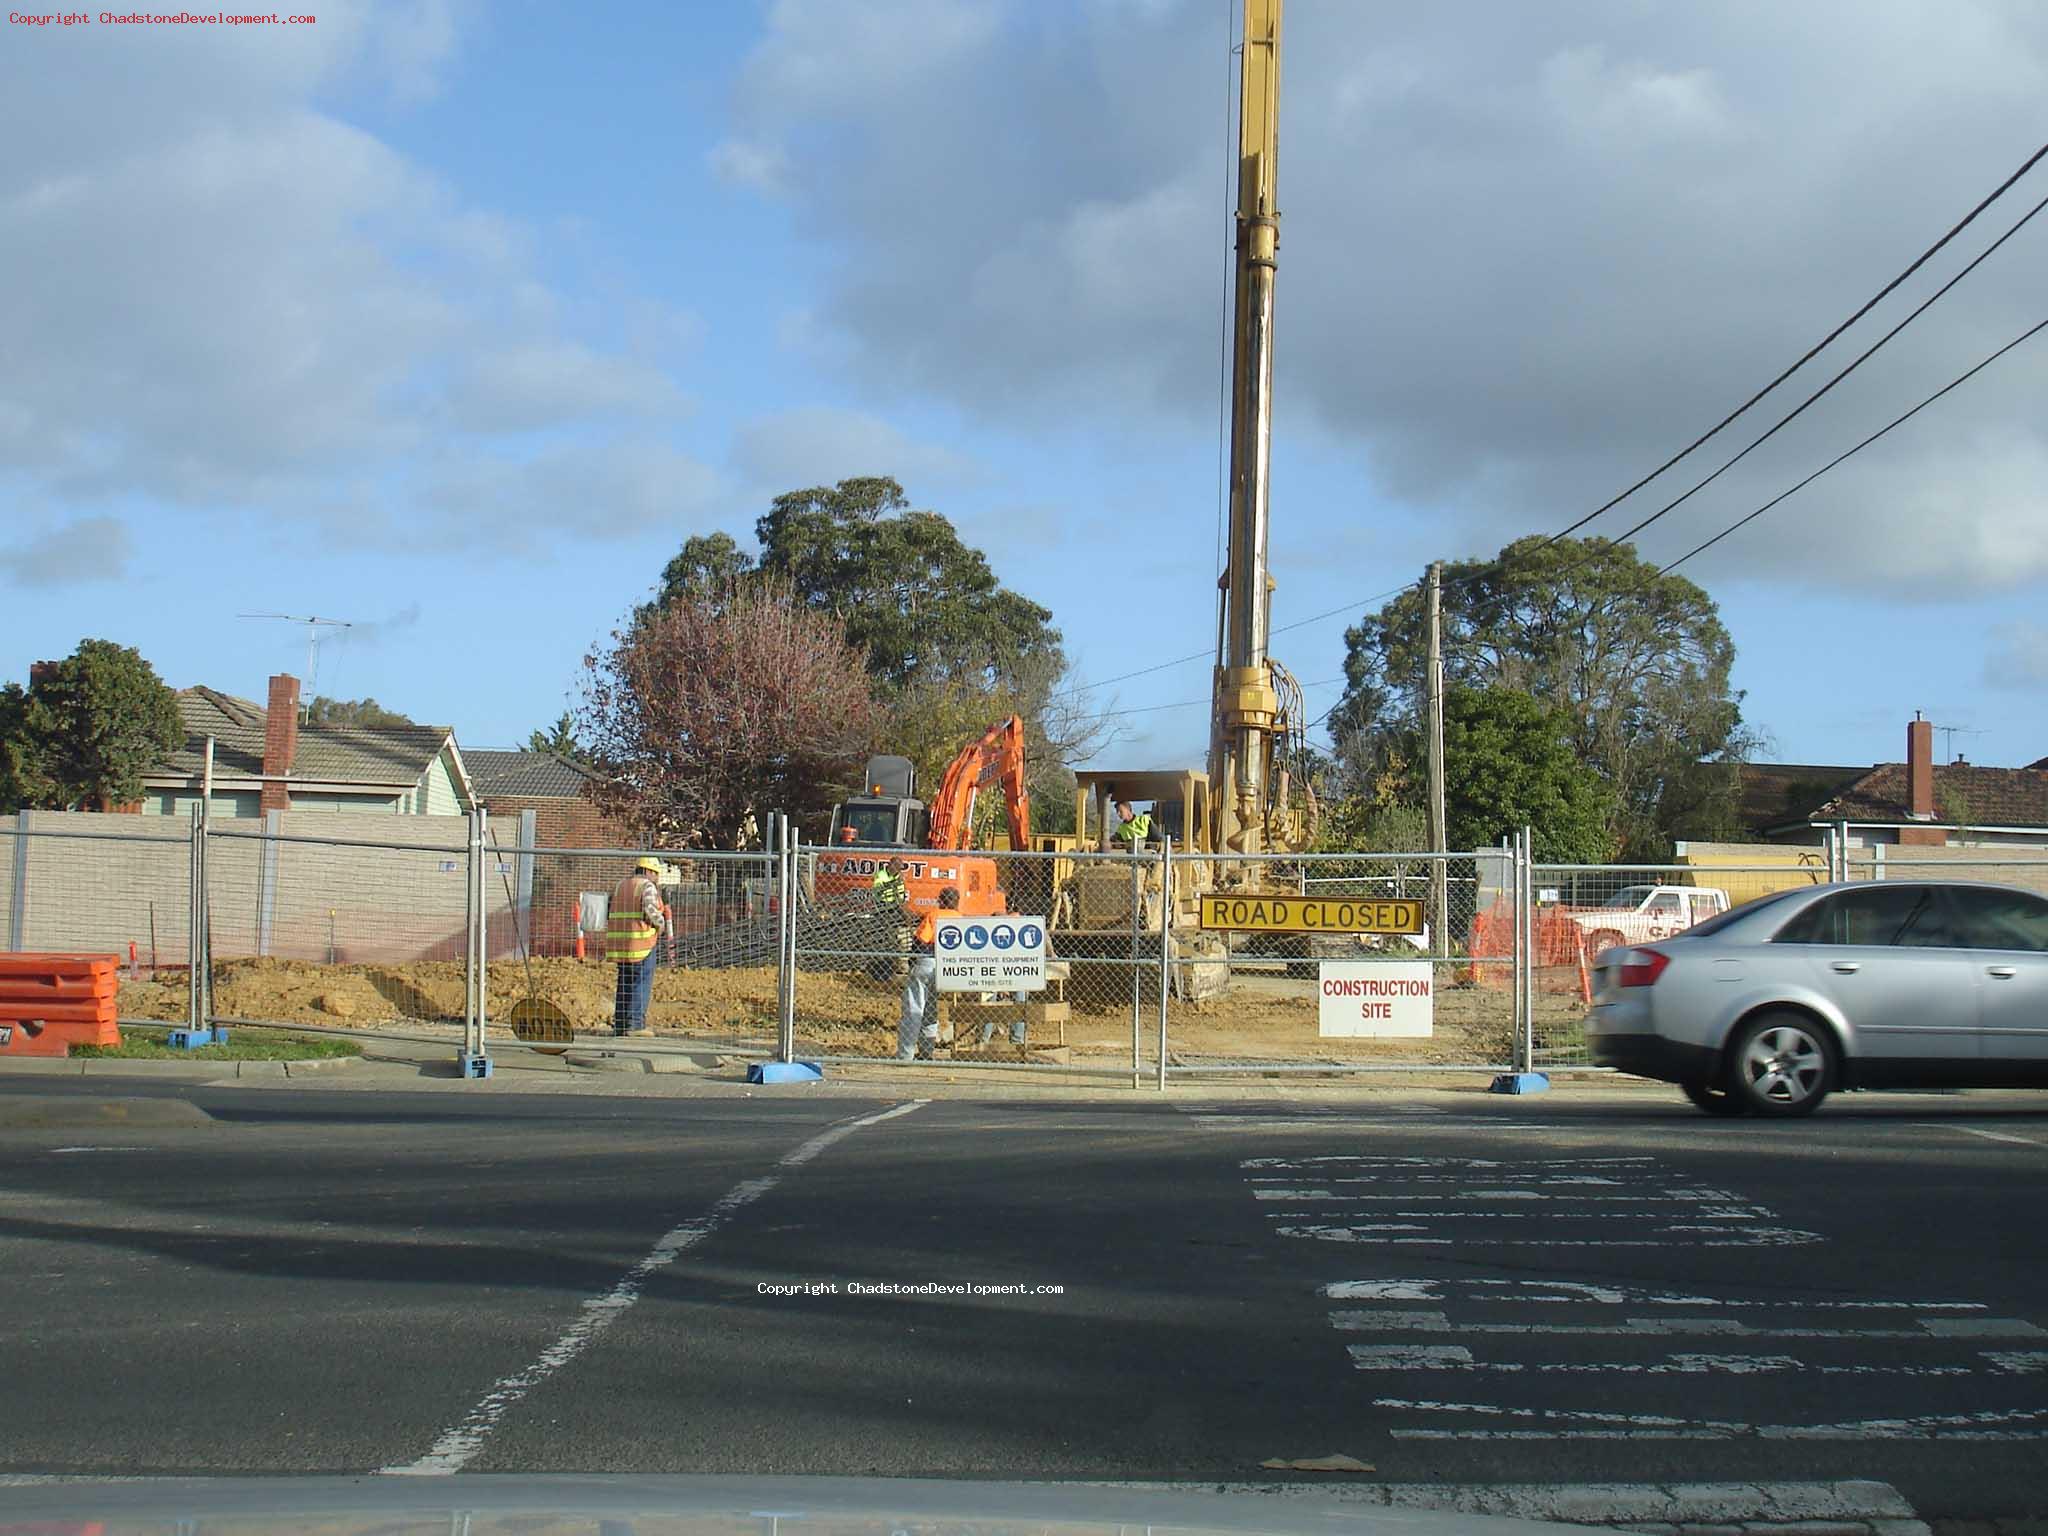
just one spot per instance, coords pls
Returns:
(720, 705)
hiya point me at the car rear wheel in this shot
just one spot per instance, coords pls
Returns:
(1715, 1100)
(1606, 938)
(1781, 1064)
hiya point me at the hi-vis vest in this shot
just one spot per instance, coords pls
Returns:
(888, 888)
(1137, 829)
(629, 937)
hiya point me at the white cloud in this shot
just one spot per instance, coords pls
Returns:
(89, 550)
(2017, 658)
(598, 489)
(822, 445)
(1527, 251)
(225, 299)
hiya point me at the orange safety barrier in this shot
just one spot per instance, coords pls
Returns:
(51, 1002)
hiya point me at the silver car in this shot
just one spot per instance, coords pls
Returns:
(1882, 984)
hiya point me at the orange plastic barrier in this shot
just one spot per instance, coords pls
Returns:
(51, 1002)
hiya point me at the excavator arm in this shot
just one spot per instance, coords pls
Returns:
(997, 757)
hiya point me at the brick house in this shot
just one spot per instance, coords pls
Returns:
(265, 759)
(1915, 804)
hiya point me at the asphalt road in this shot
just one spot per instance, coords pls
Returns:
(1453, 1288)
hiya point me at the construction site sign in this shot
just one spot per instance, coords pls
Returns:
(990, 954)
(1375, 999)
(1311, 914)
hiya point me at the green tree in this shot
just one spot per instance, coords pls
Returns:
(1635, 663)
(950, 649)
(326, 711)
(560, 739)
(82, 736)
(1509, 763)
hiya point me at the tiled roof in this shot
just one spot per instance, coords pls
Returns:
(531, 774)
(328, 754)
(1774, 794)
(1984, 797)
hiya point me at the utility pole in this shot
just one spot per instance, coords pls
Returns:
(1439, 882)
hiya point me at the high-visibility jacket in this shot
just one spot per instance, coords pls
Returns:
(928, 930)
(888, 888)
(1137, 829)
(628, 936)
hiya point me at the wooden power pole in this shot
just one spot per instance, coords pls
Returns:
(1439, 884)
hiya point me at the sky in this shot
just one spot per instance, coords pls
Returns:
(453, 320)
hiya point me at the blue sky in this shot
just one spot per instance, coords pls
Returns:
(454, 320)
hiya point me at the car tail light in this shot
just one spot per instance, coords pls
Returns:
(1641, 967)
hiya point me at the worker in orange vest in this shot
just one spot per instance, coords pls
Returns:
(638, 921)
(918, 1030)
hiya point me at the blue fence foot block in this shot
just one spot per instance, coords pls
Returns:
(785, 1072)
(1520, 1082)
(192, 1039)
(473, 1066)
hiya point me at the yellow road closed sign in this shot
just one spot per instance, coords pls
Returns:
(1311, 914)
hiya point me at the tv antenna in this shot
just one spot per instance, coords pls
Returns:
(1948, 750)
(314, 625)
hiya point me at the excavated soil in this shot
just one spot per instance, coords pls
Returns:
(1260, 1018)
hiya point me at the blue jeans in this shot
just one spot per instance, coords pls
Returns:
(635, 990)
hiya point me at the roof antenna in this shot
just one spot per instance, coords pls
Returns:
(313, 625)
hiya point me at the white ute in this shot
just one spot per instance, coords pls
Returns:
(1640, 914)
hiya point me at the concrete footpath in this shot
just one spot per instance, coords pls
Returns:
(674, 1070)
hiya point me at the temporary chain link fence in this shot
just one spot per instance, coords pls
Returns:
(466, 928)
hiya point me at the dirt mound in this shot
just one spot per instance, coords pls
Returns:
(845, 1013)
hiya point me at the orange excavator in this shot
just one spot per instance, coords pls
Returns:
(889, 821)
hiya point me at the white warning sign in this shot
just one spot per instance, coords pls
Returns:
(1376, 998)
(991, 954)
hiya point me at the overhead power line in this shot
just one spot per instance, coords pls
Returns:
(1861, 358)
(1900, 421)
(1813, 351)
(1914, 266)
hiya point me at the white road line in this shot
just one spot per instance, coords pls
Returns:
(1576, 1292)
(458, 1446)
(1709, 1237)
(1562, 1424)
(1971, 1130)
(1759, 1508)
(1395, 1321)
(1456, 1357)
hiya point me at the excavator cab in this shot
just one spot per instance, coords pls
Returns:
(888, 815)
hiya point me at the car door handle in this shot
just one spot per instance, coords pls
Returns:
(2002, 972)
(1848, 967)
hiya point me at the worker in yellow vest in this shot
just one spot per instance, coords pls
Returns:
(1132, 829)
(638, 922)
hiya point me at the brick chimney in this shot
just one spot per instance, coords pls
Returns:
(1920, 786)
(38, 671)
(281, 741)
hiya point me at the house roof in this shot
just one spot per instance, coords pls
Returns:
(530, 774)
(1772, 795)
(1984, 797)
(328, 754)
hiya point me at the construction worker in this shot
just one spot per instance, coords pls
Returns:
(889, 891)
(1132, 829)
(918, 1031)
(639, 920)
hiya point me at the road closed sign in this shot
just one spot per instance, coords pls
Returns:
(1391, 999)
(990, 954)
(1311, 914)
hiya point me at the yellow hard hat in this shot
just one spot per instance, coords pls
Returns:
(651, 864)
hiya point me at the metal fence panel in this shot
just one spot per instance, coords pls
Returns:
(1287, 1000)
(98, 883)
(862, 987)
